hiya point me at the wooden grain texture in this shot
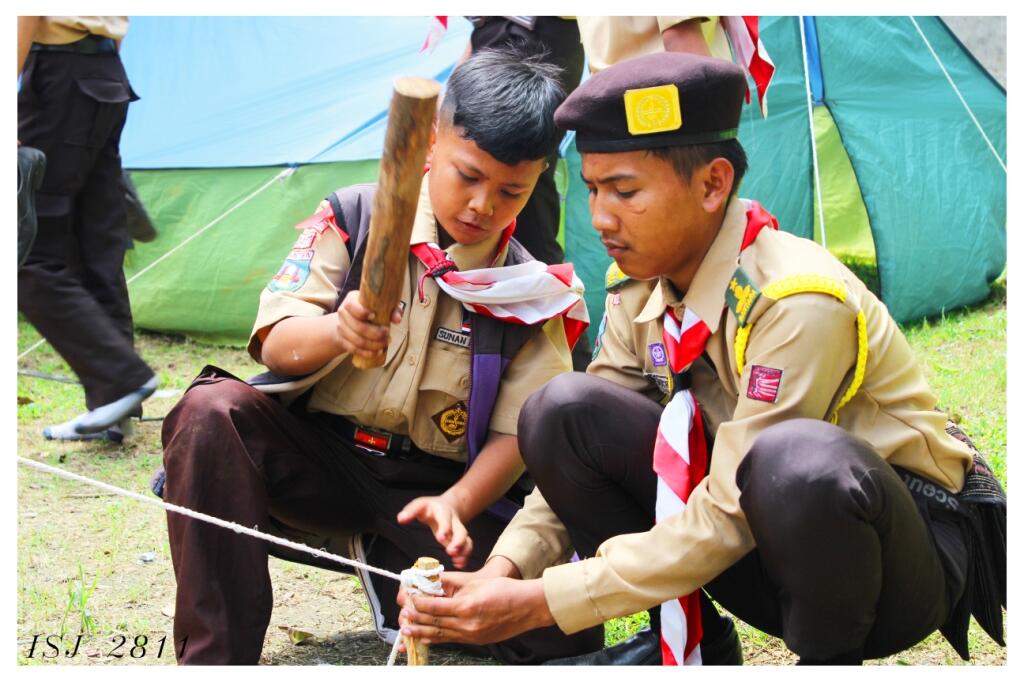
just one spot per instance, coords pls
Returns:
(410, 116)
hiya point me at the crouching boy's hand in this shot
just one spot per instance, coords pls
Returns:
(444, 520)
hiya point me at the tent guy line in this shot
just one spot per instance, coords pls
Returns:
(949, 78)
(237, 528)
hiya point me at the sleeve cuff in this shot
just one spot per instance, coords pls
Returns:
(567, 591)
(527, 551)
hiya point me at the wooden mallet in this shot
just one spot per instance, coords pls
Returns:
(413, 105)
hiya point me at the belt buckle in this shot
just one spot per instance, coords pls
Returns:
(372, 441)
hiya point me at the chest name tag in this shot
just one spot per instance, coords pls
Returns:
(452, 337)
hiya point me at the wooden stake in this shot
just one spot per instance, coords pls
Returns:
(416, 651)
(413, 105)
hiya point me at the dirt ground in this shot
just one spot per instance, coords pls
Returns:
(88, 558)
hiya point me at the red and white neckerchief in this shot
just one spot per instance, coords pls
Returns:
(745, 38)
(527, 293)
(681, 458)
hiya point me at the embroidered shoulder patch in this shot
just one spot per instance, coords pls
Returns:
(764, 383)
(614, 276)
(293, 274)
(452, 421)
(740, 295)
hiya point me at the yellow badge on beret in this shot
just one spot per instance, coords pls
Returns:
(452, 421)
(653, 110)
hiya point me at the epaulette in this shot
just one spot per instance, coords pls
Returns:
(741, 295)
(614, 277)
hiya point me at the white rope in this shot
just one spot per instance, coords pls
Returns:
(237, 528)
(949, 78)
(417, 581)
(814, 143)
(283, 174)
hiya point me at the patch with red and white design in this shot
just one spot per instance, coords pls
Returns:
(306, 239)
(764, 383)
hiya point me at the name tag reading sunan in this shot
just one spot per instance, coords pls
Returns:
(452, 337)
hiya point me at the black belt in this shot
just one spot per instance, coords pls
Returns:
(90, 45)
(375, 441)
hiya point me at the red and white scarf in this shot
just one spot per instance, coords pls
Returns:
(681, 458)
(526, 293)
(745, 37)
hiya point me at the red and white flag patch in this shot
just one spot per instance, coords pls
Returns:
(764, 383)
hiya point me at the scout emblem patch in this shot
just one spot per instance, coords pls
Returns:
(452, 337)
(741, 295)
(613, 277)
(764, 383)
(293, 273)
(653, 110)
(657, 351)
(452, 421)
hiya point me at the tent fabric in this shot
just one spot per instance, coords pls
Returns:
(229, 102)
(935, 195)
(210, 287)
(225, 92)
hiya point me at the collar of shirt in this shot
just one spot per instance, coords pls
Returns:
(706, 297)
(466, 256)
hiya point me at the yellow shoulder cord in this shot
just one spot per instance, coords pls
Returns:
(820, 284)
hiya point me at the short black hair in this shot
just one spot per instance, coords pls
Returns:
(688, 158)
(504, 100)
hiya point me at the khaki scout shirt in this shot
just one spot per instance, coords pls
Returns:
(811, 338)
(64, 30)
(611, 40)
(426, 371)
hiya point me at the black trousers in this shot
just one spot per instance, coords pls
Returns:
(238, 454)
(72, 286)
(537, 223)
(845, 567)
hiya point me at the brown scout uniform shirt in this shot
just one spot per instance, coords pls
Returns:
(64, 30)
(423, 376)
(812, 339)
(611, 40)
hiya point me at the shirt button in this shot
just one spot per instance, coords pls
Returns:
(410, 359)
(425, 301)
(464, 381)
(389, 413)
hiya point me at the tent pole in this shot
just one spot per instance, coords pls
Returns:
(814, 144)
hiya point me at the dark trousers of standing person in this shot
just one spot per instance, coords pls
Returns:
(72, 287)
(238, 454)
(537, 224)
(845, 567)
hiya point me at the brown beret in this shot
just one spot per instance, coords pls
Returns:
(659, 100)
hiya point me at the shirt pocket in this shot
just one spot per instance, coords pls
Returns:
(350, 388)
(102, 105)
(442, 403)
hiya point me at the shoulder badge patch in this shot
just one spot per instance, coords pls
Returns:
(614, 276)
(452, 421)
(600, 333)
(764, 383)
(293, 273)
(740, 295)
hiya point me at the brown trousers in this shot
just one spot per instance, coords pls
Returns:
(238, 454)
